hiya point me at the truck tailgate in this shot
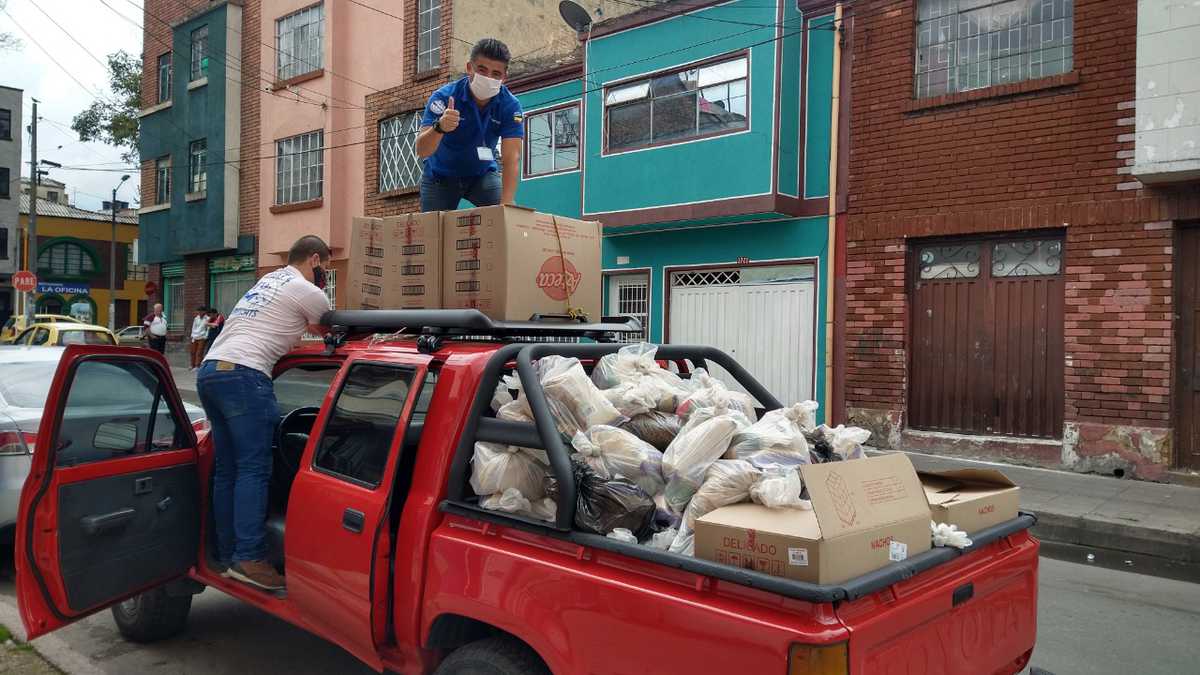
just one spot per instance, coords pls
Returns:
(976, 614)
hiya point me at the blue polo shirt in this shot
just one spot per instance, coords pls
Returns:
(458, 154)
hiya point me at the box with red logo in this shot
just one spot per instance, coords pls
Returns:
(367, 284)
(972, 499)
(512, 263)
(413, 244)
(867, 513)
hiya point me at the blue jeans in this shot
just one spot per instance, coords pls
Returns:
(444, 194)
(241, 407)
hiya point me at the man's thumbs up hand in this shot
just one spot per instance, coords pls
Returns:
(449, 119)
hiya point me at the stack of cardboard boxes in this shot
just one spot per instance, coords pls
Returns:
(509, 262)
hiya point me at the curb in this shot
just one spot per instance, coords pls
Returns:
(51, 647)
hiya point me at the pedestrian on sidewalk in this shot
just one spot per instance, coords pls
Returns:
(155, 329)
(215, 323)
(199, 335)
(235, 388)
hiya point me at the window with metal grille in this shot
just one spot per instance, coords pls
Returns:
(552, 141)
(67, 259)
(678, 105)
(228, 288)
(162, 180)
(197, 166)
(429, 35)
(174, 310)
(299, 168)
(199, 65)
(629, 295)
(971, 44)
(398, 164)
(164, 78)
(706, 278)
(298, 42)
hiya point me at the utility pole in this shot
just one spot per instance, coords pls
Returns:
(112, 260)
(31, 255)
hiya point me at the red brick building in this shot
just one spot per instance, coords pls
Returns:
(1010, 285)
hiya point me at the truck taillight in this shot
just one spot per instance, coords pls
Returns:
(17, 443)
(201, 426)
(818, 660)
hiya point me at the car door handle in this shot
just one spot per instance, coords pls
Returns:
(353, 520)
(104, 522)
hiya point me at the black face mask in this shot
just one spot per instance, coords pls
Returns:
(319, 277)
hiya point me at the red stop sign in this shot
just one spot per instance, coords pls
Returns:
(151, 288)
(24, 281)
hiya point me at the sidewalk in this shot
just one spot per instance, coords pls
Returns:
(1152, 528)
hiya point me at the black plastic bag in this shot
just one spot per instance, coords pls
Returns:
(602, 505)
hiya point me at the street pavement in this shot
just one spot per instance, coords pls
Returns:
(1091, 621)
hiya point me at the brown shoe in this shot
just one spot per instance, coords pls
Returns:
(258, 573)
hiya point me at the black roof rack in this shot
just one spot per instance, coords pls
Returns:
(437, 323)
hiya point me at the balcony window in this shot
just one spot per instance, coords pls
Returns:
(678, 105)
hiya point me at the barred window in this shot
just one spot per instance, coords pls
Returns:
(199, 53)
(429, 32)
(67, 259)
(162, 180)
(298, 41)
(299, 168)
(398, 164)
(971, 44)
(197, 169)
(164, 78)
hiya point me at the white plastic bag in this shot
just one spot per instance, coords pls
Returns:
(515, 411)
(847, 441)
(512, 501)
(633, 397)
(622, 534)
(684, 542)
(948, 535)
(496, 468)
(697, 446)
(727, 481)
(614, 452)
(709, 392)
(777, 439)
(574, 400)
(662, 540)
(780, 489)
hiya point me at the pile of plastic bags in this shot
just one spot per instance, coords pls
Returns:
(652, 451)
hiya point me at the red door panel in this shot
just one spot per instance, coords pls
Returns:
(111, 505)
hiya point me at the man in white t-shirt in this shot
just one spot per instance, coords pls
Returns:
(238, 396)
(155, 329)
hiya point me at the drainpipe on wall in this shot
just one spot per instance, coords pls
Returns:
(830, 275)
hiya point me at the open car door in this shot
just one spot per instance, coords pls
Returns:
(111, 506)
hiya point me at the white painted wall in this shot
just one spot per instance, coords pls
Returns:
(1168, 91)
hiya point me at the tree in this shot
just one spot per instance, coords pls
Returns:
(8, 41)
(114, 120)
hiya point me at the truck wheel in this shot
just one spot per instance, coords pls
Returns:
(153, 615)
(493, 656)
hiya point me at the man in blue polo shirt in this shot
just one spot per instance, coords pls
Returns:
(458, 135)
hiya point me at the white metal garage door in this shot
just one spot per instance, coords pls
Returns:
(767, 327)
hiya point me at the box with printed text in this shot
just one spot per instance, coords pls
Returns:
(413, 244)
(972, 499)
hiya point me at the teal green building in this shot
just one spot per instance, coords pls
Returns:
(701, 140)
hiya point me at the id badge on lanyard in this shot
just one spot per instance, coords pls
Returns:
(485, 153)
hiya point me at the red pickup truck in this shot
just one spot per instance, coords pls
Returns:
(388, 554)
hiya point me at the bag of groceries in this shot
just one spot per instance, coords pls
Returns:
(709, 392)
(496, 467)
(512, 501)
(656, 427)
(780, 488)
(703, 440)
(574, 400)
(610, 451)
(777, 439)
(633, 397)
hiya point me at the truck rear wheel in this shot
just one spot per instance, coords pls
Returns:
(152, 616)
(493, 656)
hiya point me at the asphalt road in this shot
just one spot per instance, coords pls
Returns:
(1091, 621)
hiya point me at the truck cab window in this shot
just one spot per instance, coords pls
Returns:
(304, 386)
(356, 439)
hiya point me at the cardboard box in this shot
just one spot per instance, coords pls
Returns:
(413, 246)
(972, 499)
(866, 514)
(511, 263)
(366, 283)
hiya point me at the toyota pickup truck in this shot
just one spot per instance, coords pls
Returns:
(388, 553)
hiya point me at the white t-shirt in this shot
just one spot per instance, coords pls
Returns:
(269, 320)
(157, 326)
(199, 327)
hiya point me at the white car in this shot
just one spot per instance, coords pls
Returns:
(26, 374)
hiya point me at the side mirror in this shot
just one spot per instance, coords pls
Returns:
(116, 437)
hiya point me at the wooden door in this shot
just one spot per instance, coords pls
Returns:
(987, 337)
(1187, 377)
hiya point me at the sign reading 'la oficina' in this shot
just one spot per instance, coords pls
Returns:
(63, 288)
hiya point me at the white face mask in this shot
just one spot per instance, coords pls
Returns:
(484, 87)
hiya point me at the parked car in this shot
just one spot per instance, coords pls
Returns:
(62, 334)
(16, 324)
(131, 335)
(25, 377)
(389, 554)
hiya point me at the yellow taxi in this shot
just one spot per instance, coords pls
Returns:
(16, 324)
(59, 334)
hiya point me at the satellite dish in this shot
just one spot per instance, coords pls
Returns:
(576, 17)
